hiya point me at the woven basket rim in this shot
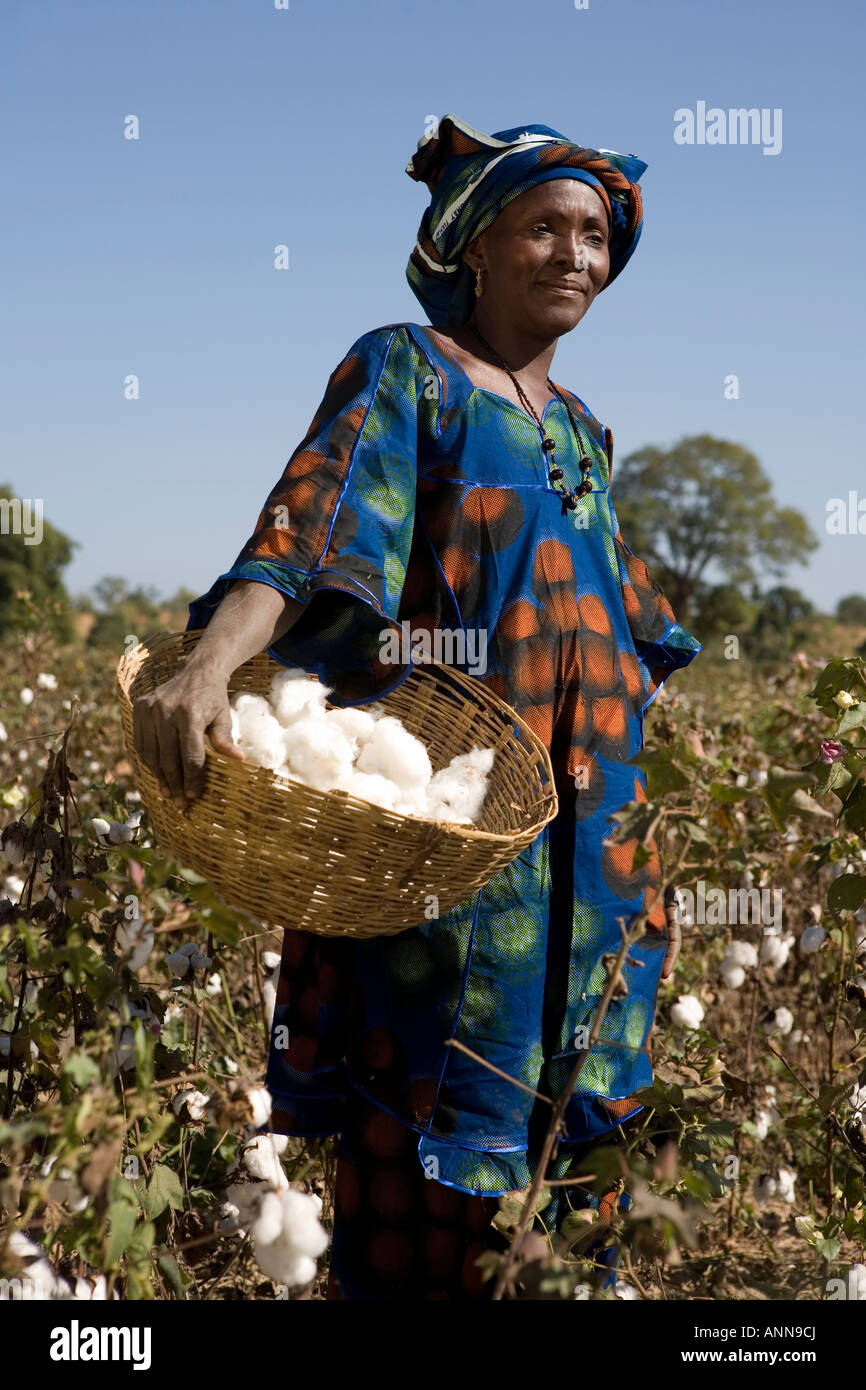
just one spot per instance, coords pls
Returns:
(131, 662)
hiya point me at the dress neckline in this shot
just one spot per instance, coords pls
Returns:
(486, 389)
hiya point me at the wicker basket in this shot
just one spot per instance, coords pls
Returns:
(328, 862)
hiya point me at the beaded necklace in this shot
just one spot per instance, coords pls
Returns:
(548, 445)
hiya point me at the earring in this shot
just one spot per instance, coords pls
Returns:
(479, 288)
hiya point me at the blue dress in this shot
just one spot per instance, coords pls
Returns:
(416, 496)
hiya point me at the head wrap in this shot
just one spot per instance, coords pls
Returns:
(472, 176)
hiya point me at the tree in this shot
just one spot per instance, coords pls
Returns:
(722, 608)
(782, 624)
(32, 559)
(852, 610)
(705, 503)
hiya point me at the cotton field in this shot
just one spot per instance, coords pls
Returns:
(135, 1006)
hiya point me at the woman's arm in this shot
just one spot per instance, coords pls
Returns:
(170, 723)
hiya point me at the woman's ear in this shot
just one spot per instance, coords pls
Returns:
(472, 254)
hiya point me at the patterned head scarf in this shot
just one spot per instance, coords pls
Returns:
(472, 176)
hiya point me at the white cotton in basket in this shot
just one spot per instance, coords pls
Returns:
(257, 732)
(458, 791)
(296, 695)
(396, 754)
(317, 752)
(364, 752)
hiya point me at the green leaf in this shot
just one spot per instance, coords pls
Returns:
(171, 1272)
(694, 830)
(163, 1190)
(725, 791)
(829, 1095)
(663, 774)
(846, 893)
(828, 1248)
(140, 1246)
(122, 1217)
(853, 718)
(80, 1068)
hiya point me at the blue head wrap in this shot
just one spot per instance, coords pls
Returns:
(472, 176)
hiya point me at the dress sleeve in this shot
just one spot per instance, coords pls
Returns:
(661, 644)
(335, 532)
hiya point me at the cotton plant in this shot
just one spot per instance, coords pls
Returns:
(364, 752)
(811, 940)
(779, 1022)
(190, 1105)
(187, 959)
(775, 950)
(135, 939)
(271, 962)
(777, 1186)
(739, 957)
(116, 832)
(288, 1236)
(687, 1012)
(766, 1114)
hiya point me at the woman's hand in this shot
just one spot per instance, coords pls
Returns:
(169, 726)
(675, 935)
(170, 723)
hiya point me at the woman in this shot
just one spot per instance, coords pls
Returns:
(448, 482)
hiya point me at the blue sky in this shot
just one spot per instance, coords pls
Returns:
(261, 126)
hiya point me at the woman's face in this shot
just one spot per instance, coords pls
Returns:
(531, 252)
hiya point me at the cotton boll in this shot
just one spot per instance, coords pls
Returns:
(733, 976)
(811, 940)
(779, 1021)
(101, 829)
(294, 694)
(256, 731)
(190, 1105)
(461, 787)
(369, 786)
(269, 1220)
(287, 1237)
(785, 1184)
(271, 962)
(741, 953)
(92, 1288)
(687, 1012)
(187, 960)
(124, 832)
(259, 1100)
(858, 1098)
(135, 940)
(857, 1282)
(261, 1159)
(763, 1121)
(765, 1188)
(317, 752)
(776, 949)
(392, 752)
(626, 1291)
(356, 724)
